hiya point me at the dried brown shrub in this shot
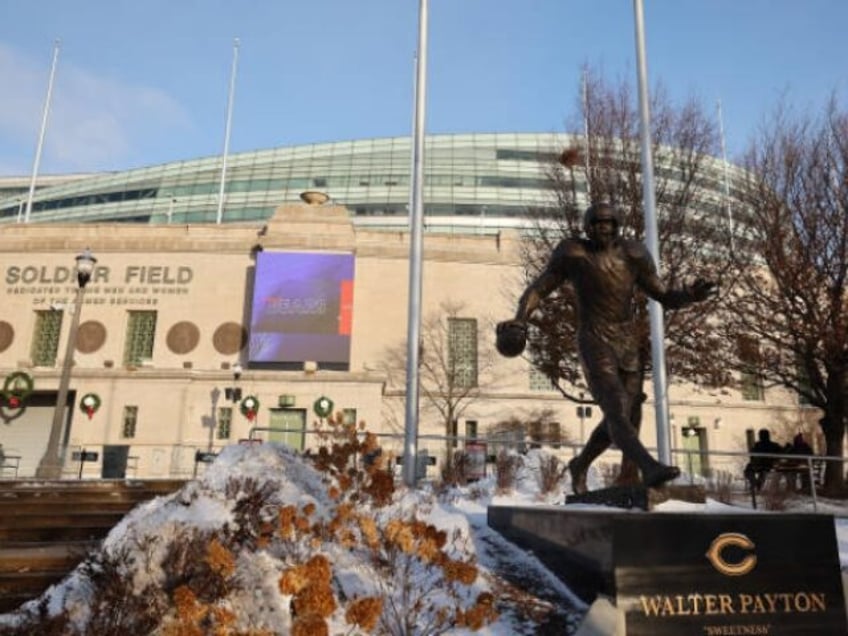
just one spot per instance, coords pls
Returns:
(310, 625)
(507, 466)
(720, 486)
(551, 473)
(364, 612)
(773, 495)
(354, 462)
(457, 471)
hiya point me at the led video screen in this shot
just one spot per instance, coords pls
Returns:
(302, 308)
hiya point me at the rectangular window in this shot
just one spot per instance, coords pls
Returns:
(129, 422)
(349, 416)
(750, 379)
(554, 434)
(539, 381)
(470, 430)
(45, 337)
(462, 352)
(804, 384)
(536, 431)
(752, 386)
(225, 421)
(141, 328)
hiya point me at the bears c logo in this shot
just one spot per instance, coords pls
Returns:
(726, 540)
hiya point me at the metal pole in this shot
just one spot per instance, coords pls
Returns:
(586, 160)
(724, 166)
(416, 222)
(44, 116)
(652, 240)
(50, 466)
(232, 91)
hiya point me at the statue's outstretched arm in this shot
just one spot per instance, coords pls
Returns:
(655, 288)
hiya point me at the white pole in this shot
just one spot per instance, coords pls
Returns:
(416, 222)
(652, 240)
(44, 116)
(230, 97)
(726, 180)
(585, 99)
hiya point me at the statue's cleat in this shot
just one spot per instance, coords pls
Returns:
(658, 474)
(578, 478)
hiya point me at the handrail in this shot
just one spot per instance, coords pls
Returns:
(11, 463)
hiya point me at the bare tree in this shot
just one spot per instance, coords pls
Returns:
(455, 366)
(694, 238)
(790, 311)
(537, 428)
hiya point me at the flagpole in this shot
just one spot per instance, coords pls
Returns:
(416, 222)
(585, 100)
(724, 166)
(227, 128)
(652, 239)
(41, 134)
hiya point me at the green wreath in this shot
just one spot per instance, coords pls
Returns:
(90, 404)
(17, 388)
(323, 407)
(249, 407)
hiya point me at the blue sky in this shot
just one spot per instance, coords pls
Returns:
(142, 83)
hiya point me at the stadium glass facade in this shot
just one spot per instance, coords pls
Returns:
(473, 182)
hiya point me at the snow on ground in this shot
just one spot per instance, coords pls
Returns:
(208, 504)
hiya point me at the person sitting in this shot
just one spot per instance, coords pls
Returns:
(759, 465)
(799, 446)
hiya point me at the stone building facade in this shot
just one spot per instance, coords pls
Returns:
(168, 314)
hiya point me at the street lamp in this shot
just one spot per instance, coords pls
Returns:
(50, 466)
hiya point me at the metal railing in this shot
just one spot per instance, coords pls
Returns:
(699, 467)
(9, 466)
(787, 467)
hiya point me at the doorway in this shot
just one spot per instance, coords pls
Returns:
(115, 461)
(294, 423)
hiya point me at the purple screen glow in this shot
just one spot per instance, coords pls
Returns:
(302, 307)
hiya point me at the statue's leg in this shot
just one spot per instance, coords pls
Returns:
(610, 389)
(629, 473)
(597, 443)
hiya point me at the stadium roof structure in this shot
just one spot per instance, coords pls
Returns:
(477, 182)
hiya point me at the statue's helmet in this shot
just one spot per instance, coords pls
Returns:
(601, 212)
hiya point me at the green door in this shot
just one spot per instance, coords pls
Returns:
(288, 426)
(692, 457)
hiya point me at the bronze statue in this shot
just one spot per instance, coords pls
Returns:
(604, 270)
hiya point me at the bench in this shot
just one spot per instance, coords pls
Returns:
(799, 470)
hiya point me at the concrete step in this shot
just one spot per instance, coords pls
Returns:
(48, 528)
(87, 489)
(20, 557)
(18, 588)
(59, 528)
(11, 509)
(47, 519)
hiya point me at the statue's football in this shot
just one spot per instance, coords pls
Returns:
(511, 338)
